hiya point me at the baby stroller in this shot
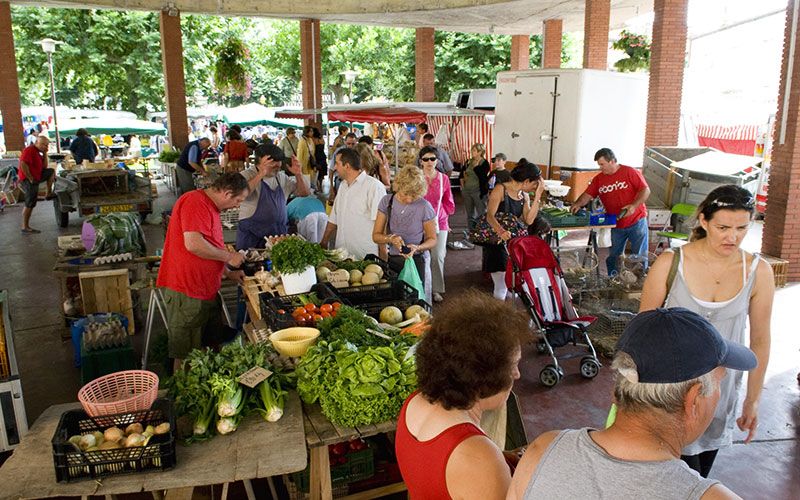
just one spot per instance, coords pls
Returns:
(534, 273)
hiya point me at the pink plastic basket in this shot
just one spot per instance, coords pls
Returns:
(120, 392)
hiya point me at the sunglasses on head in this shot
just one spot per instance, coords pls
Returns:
(734, 202)
(428, 158)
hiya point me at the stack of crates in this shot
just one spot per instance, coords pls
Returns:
(13, 421)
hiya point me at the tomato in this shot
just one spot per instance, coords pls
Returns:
(337, 305)
(326, 314)
(317, 317)
(326, 308)
(310, 307)
(281, 311)
(298, 311)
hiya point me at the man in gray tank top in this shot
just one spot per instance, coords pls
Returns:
(669, 364)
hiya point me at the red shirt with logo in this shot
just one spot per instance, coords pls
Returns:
(617, 190)
(35, 161)
(181, 270)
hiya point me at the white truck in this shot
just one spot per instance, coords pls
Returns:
(562, 117)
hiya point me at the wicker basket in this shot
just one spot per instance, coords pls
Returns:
(780, 268)
(295, 341)
(120, 392)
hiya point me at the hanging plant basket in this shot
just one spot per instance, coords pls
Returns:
(637, 47)
(230, 69)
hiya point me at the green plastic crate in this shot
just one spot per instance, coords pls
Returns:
(101, 362)
(360, 465)
(566, 220)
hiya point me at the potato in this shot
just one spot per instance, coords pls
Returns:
(113, 434)
(134, 429)
(109, 445)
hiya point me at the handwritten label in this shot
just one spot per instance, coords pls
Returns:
(254, 376)
(338, 280)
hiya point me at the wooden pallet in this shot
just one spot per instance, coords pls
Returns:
(252, 289)
(107, 291)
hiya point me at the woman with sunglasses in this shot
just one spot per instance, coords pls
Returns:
(440, 197)
(715, 278)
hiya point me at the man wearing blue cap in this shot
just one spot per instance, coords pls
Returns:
(669, 365)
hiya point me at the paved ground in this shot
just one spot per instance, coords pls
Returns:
(767, 468)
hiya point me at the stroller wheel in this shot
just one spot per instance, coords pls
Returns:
(589, 367)
(549, 376)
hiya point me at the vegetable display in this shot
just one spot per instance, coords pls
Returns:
(208, 391)
(294, 255)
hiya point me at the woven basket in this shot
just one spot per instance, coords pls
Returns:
(295, 341)
(120, 392)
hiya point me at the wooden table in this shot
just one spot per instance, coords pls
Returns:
(321, 432)
(257, 449)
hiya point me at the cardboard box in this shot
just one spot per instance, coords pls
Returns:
(658, 217)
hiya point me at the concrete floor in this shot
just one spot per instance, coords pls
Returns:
(769, 467)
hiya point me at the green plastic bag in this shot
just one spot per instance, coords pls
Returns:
(612, 415)
(410, 275)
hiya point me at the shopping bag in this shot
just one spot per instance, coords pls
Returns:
(484, 234)
(410, 275)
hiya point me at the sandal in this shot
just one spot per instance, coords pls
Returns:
(30, 230)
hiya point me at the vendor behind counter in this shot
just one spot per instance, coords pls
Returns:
(264, 213)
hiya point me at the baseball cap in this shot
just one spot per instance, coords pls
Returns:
(675, 345)
(271, 150)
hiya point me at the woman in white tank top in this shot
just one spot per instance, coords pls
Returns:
(733, 290)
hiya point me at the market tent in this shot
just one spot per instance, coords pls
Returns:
(122, 126)
(387, 114)
(300, 114)
(250, 115)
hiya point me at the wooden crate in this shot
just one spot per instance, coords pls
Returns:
(107, 291)
(780, 268)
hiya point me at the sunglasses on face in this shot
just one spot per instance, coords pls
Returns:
(428, 158)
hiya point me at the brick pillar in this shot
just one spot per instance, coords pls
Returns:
(174, 83)
(424, 71)
(667, 58)
(781, 236)
(311, 67)
(520, 52)
(595, 34)
(9, 86)
(551, 55)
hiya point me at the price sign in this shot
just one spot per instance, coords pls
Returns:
(254, 376)
(337, 281)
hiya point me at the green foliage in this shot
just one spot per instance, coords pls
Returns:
(230, 69)
(637, 47)
(169, 155)
(294, 255)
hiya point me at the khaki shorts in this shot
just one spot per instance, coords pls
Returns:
(187, 317)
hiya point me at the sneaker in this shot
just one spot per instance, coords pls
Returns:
(437, 297)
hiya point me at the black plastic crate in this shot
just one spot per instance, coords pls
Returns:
(374, 309)
(73, 465)
(368, 290)
(271, 305)
(380, 292)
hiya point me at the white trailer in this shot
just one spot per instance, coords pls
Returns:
(562, 117)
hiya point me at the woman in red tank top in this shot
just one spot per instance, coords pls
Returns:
(466, 364)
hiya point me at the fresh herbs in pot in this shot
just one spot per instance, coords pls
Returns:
(294, 255)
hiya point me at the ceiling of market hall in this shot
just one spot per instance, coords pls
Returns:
(477, 16)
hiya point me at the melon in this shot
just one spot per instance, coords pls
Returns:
(391, 315)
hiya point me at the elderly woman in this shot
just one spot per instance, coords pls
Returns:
(712, 276)
(520, 196)
(440, 196)
(462, 372)
(407, 223)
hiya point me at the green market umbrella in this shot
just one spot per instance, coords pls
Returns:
(110, 126)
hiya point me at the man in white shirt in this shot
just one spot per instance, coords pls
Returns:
(355, 208)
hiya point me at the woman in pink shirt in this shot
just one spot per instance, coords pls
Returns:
(440, 197)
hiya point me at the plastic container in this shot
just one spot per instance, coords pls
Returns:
(362, 293)
(271, 306)
(294, 283)
(101, 362)
(374, 309)
(566, 220)
(121, 392)
(602, 219)
(79, 326)
(295, 341)
(379, 292)
(73, 465)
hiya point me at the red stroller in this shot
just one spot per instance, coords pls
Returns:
(534, 273)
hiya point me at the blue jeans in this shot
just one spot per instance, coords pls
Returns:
(636, 234)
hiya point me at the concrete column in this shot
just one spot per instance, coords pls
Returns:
(551, 55)
(667, 57)
(595, 34)
(311, 67)
(781, 236)
(424, 71)
(174, 82)
(520, 52)
(9, 86)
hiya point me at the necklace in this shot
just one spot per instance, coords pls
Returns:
(717, 279)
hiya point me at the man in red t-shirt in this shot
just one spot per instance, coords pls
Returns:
(32, 170)
(195, 259)
(623, 191)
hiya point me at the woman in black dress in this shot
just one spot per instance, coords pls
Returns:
(520, 195)
(320, 159)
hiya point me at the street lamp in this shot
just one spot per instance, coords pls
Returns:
(49, 46)
(350, 77)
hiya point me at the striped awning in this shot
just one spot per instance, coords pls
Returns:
(460, 133)
(729, 132)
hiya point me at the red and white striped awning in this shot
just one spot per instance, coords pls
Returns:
(729, 133)
(462, 132)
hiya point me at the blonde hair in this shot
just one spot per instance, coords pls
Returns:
(411, 181)
(480, 148)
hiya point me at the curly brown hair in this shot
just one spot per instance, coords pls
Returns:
(468, 354)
